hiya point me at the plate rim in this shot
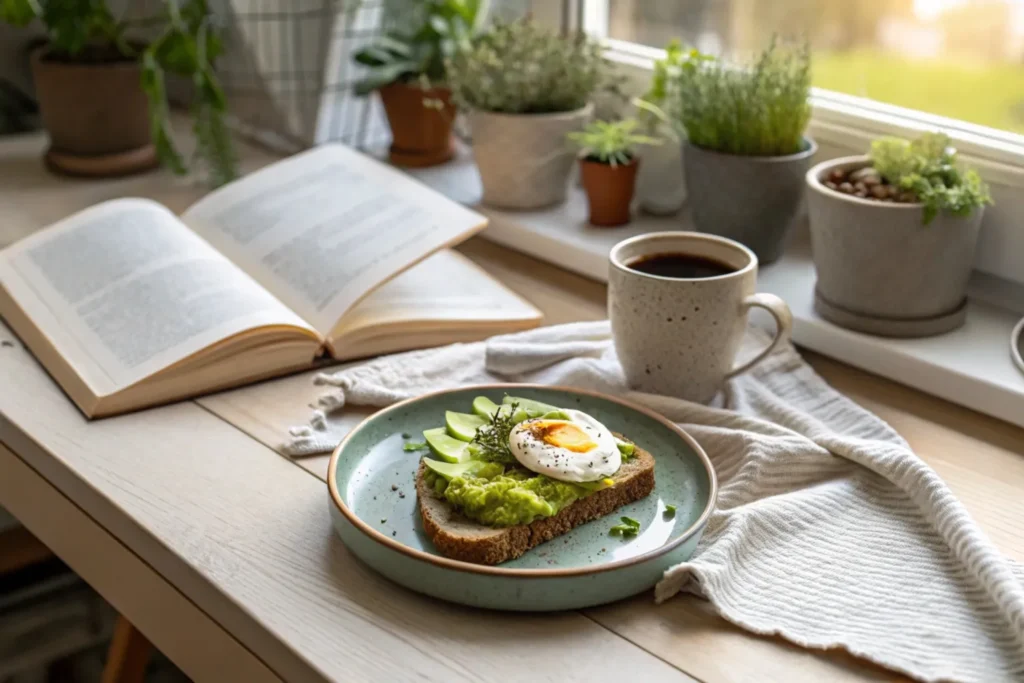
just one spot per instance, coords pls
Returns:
(1016, 341)
(459, 565)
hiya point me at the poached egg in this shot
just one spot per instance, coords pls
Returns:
(579, 449)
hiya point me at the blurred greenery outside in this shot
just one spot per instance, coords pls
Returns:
(983, 93)
(963, 59)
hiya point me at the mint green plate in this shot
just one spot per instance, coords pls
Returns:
(373, 506)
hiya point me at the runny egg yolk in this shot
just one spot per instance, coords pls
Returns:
(579, 449)
(563, 435)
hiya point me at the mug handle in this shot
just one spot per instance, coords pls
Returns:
(783, 326)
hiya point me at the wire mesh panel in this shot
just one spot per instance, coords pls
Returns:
(288, 69)
(274, 62)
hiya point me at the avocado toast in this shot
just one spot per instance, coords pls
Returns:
(507, 478)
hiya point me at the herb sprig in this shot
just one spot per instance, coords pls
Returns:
(629, 527)
(492, 439)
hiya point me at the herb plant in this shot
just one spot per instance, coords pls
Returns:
(927, 167)
(760, 109)
(520, 68)
(611, 142)
(663, 90)
(440, 29)
(86, 31)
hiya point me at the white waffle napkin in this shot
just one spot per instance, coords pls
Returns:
(829, 530)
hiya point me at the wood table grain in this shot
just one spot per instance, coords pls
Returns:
(189, 520)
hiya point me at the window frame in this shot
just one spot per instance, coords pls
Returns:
(845, 124)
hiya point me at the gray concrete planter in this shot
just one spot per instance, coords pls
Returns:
(753, 200)
(880, 269)
(524, 159)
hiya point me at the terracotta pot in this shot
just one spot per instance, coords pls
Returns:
(523, 159)
(753, 200)
(420, 135)
(96, 114)
(880, 269)
(609, 191)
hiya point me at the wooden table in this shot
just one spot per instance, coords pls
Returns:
(220, 549)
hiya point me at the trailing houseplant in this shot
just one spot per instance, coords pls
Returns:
(746, 153)
(102, 94)
(661, 185)
(893, 235)
(524, 88)
(608, 167)
(407, 67)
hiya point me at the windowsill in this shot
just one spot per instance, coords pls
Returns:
(971, 366)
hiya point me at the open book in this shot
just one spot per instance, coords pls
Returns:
(329, 251)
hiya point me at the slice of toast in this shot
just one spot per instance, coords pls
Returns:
(460, 538)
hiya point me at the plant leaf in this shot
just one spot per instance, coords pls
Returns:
(384, 75)
(18, 12)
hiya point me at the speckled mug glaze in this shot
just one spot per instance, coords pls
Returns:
(679, 336)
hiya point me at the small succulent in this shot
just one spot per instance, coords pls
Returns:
(439, 30)
(928, 168)
(611, 142)
(758, 109)
(520, 68)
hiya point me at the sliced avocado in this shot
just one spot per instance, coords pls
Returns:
(625, 447)
(450, 470)
(533, 408)
(463, 426)
(444, 446)
(484, 407)
(556, 415)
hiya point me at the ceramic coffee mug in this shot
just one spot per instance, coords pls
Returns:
(678, 336)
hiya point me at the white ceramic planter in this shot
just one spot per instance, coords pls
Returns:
(880, 269)
(661, 186)
(524, 160)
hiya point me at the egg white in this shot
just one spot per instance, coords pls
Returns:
(561, 463)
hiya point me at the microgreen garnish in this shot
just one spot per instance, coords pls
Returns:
(629, 527)
(414, 446)
(670, 510)
(492, 439)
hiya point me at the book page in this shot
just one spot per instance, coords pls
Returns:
(324, 228)
(446, 287)
(124, 289)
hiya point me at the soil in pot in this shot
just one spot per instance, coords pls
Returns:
(421, 135)
(609, 190)
(95, 112)
(751, 199)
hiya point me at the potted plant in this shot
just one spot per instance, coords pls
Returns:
(407, 67)
(524, 88)
(102, 96)
(893, 236)
(661, 184)
(608, 168)
(746, 154)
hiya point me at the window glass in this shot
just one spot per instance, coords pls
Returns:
(958, 58)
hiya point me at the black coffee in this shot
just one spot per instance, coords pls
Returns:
(682, 266)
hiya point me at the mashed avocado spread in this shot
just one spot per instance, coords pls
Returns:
(476, 472)
(494, 497)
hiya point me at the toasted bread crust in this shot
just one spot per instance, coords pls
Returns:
(460, 538)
